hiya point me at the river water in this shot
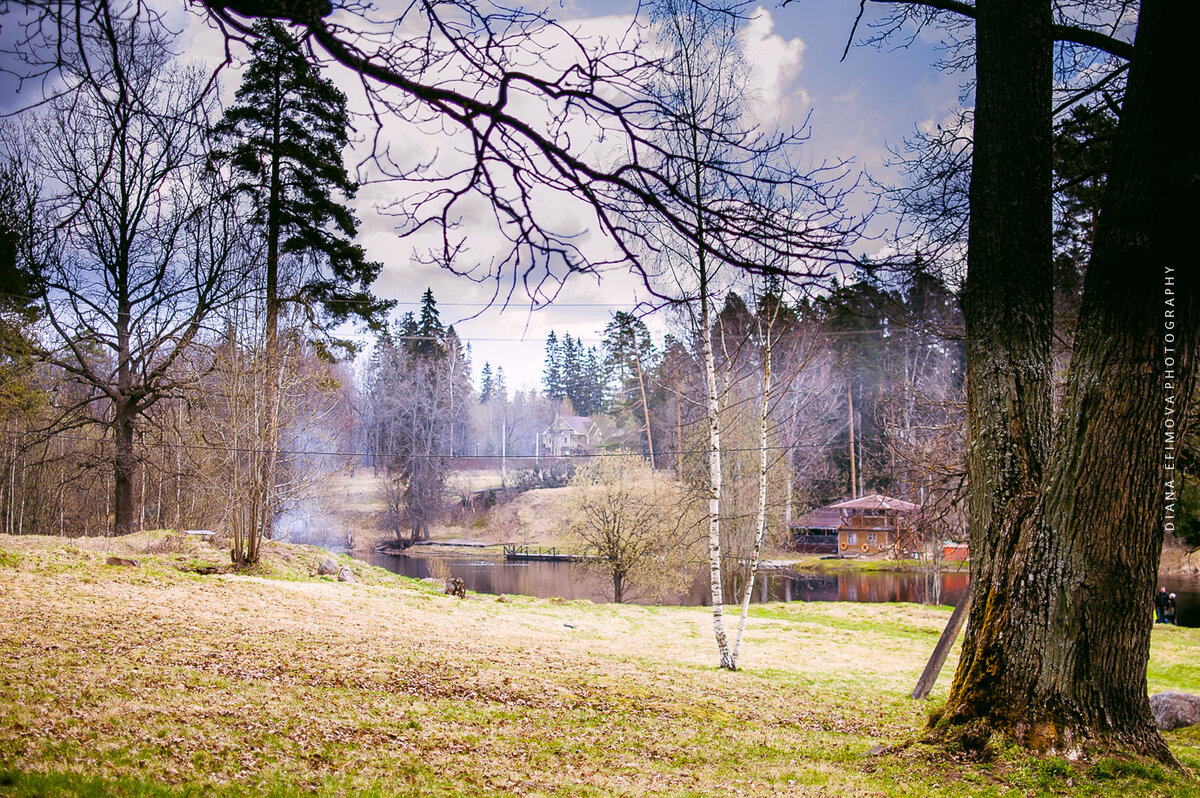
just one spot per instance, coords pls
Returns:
(570, 581)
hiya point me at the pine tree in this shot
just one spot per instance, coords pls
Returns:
(591, 384)
(430, 334)
(553, 376)
(407, 328)
(571, 369)
(499, 387)
(628, 351)
(485, 383)
(285, 136)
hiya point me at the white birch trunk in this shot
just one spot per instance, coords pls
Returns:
(761, 529)
(714, 487)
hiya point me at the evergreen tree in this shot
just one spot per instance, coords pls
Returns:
(628, 352)
(553, 376)
(285, 136)
(570, 359)
(591, 387)
(407, 328)
(430, 334)
(499, 386)
(18, 288)
(485, 383)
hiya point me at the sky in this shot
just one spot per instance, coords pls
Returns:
(855, 109)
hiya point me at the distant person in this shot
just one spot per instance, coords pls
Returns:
(1170, 613)
(1160, 605)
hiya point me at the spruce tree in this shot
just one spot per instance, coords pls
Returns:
(553, 376)
(591, 388)
(284, 136)
(570, 360)
(428, 341)
(485, 383)
(499, 385)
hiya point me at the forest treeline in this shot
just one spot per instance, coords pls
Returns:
(862, 369)
(179, 279)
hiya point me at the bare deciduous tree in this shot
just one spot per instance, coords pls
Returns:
(627, 518)
(146, 250)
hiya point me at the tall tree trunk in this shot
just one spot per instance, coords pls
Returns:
(263, 519)
(645, 407)
(1066, 534)
(850, 411)
(714, 478)
(761, 521)
(124, 469)
(678, 431)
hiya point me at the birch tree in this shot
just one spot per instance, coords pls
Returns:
(715, 156)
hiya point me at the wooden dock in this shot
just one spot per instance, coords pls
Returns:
(531, 554)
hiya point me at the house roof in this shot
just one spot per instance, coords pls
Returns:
(580, 425)
(876, 502)
(820, 518)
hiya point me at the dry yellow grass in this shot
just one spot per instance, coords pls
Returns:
(228, 684)
(356, 504)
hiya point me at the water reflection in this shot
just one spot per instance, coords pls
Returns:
(557, 579)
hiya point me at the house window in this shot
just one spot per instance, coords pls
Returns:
(872, 538)
(852, 538)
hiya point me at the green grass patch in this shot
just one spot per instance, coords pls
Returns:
(159, 681)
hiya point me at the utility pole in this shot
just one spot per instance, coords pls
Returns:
(853, 470)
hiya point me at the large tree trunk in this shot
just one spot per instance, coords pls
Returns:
(124, 469)
(1066, 536)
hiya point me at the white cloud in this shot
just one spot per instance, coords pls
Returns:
(775, 63)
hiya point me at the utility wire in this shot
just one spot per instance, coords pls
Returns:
(344, 453)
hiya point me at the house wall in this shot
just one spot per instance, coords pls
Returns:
(858, 540)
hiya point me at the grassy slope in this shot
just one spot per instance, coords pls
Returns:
(154, 681)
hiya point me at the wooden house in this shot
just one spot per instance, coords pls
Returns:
(570, 435)
(875, 525)
(815, 532)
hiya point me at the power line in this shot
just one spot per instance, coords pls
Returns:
(344, 453)
(545, 306)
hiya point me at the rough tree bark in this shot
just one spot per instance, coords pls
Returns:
(1066, 524)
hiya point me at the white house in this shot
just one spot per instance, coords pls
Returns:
(570, 435)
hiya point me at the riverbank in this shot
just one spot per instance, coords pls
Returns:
(354, 509)
(159, 681)
(815, 562)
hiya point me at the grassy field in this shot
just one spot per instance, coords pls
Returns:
(160, 681)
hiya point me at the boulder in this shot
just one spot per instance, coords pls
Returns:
(346, 575)
(327, 567)
(123, 561)
(1174, 710)
(455, 586)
